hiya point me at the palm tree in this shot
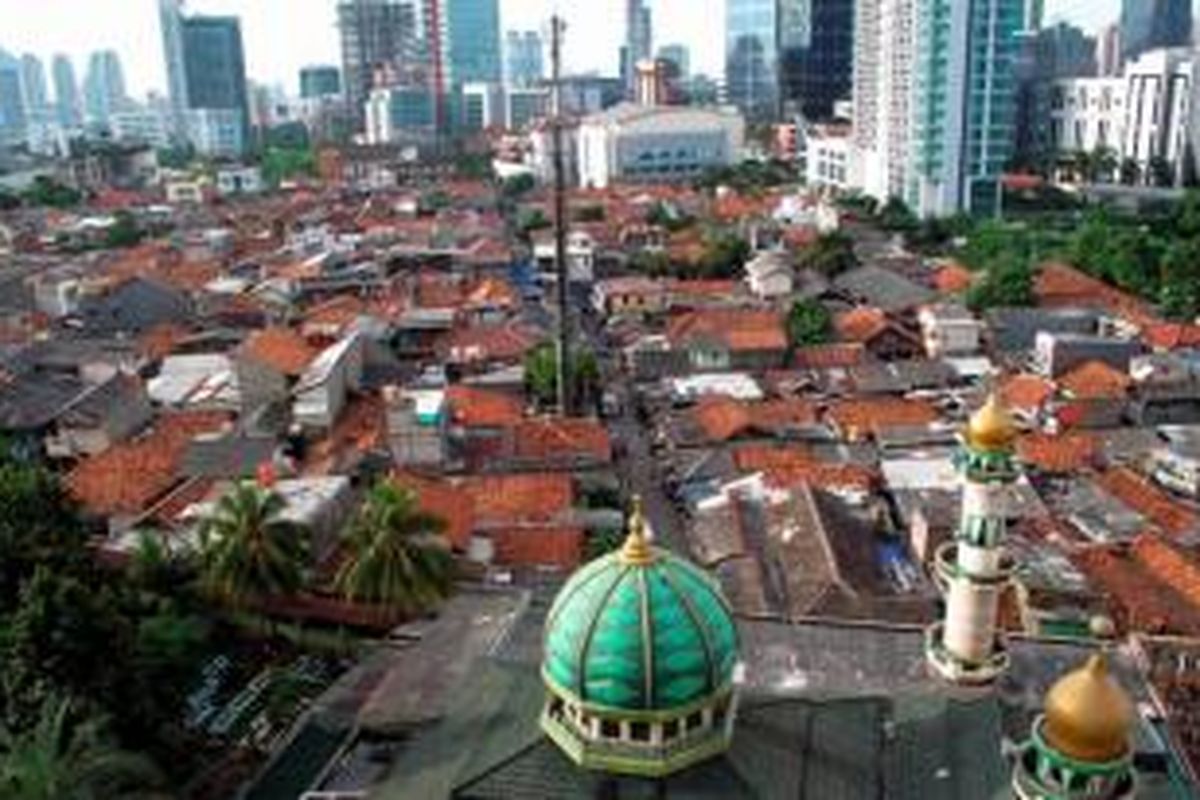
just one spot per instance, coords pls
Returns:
(1104, 163)
(59, 760)
(249, 549)
(1131, 172)
(397, 555)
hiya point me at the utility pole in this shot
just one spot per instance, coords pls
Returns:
(563, 350)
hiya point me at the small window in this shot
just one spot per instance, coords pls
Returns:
(694, 720)
(640, 731)
(670, 729)
(609, 729)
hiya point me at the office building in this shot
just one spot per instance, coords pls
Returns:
(378, 37)
(524, 58)
(217, 132)
(1152, 24)
(679, 56)
(13, 119)
(170, 15)
(964, 96)
(149, 124)
(66, 92)
(631, 143)
(1064, 51)
(401, 114)
(319, 81)
(523, 107)
(882, 96)
(473, 47)
(1108, 52)
(215, 77)
(482, 106)
(639, 41)
(651, 83)
(788, 56)
(33, 82)
(103, 88)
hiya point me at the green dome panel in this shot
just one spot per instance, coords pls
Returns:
(648, 637)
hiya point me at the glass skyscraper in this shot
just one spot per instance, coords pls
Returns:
(473, 30)
(1150, 24)
(66, 91)
(788, 56)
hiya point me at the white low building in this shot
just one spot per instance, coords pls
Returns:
(770, 275)
(629, 143)
(949, 330)
(827, 150)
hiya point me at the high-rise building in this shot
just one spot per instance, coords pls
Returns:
(379, 38)
(964, 102)
(1108, 52)
(33, 81)
(103, 87)
(472, 31)
(320, 81)
(66, 92)
(524, 58)
(882, 96)
(13, 118)
(639, 42)
(170, 14)
(1064, 51)
(215, 76)
(1152, 24)
(788, 56)
(680, 56)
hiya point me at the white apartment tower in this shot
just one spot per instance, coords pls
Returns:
(883, 71)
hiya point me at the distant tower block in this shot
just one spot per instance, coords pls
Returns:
(651, 83)
(974, 570)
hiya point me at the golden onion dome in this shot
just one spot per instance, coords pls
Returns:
(1089, 717)
(992, 427)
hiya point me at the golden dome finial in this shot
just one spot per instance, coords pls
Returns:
(636, 550)
(1089, 717)
(992, 426)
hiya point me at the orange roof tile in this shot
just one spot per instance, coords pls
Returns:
(739, 329)
(952, 278)
(828, 356)
(1171, 336)
(442, 499)
(1171, 565)
(822, 475)
(875, 414)
(126, 478)
(283, 349)
(550, 438)
(160, 341)
(1153, 503)
(1069, 452)
(1095, 380)
(860, 324)
(505, 500)
(478, 343)
(1140, 602)
(759, 457)
(1026, 392)
(361, 427)
(482, 408)
(557, 546)
(1059, 284)
(723, 418)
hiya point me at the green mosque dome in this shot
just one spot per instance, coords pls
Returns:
(640, 647)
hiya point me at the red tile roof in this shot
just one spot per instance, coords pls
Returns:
(703, 289)
(822, 476)
(723, 418)
(1069, 452)
(1138, 600)
(487, 343)
(828, 356)
(1095, 380)
(859, 417)
(738, 329)
(126, 478)
(1171, 336)
(507, 500)
(361, 427)
(1026, 392)
(283, 349)
(1059, 284)
(758, 457)
(860, 324)
(1171, 565)
(443, 500)
(952, 279)
(548, 438)
(1149, 501)
(559, 546)
(482, 408)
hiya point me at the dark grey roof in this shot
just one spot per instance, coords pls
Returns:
(222, 456)
(31, 401)
(883, 288)
(1017, 328)
(98, 403)
(135, 306)
(921, 746)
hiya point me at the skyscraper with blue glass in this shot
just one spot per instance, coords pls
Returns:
(1151, 24)
(963, 97)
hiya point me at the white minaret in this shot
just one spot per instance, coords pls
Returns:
(974, 570)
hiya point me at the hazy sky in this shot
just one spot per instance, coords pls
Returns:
(283, 35)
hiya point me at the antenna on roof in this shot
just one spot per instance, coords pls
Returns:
(562, 354)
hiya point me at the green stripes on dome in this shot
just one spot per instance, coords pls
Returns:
(641, 637)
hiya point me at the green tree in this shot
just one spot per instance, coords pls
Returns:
(62, 759)
(125, 231)
(896, 216)
(651, 263)
(532, 220)
(1009, 282)
(724, 256)
(1130, 172)
(39, 526)
(518, 185)
(809, 322)
(284, 164)
(1180, 293)
(541, 374)
(397, 556)
(248, 549)
(1160, 172)
(1105, 163)
(47, 191)
(831, 254)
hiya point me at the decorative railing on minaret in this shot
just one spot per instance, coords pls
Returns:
(973, 570)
